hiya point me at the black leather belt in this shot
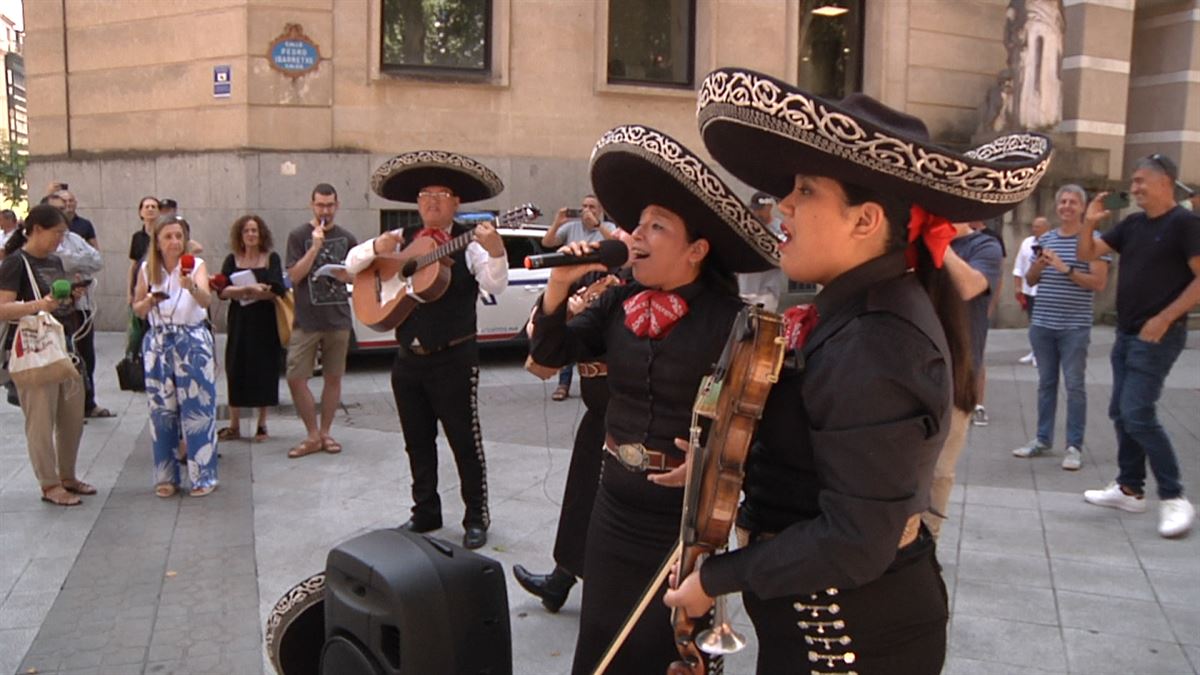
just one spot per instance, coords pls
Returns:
(637, 457)
(422, 351)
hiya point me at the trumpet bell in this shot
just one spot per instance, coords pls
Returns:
(720, 639)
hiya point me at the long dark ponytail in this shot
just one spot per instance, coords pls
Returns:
(949, 305)
(43, 217)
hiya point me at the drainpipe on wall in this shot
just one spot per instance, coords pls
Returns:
(66, 76)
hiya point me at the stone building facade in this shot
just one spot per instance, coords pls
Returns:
(122, 104)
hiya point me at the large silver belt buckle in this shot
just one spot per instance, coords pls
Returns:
(633, 456)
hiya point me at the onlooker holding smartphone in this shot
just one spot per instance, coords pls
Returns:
(1157, 285)
(585, 224)
(1062, 325)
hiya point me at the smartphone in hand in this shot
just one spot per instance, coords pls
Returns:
(574, 213)
(1115, 201)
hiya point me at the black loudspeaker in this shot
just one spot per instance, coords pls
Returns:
(399, 602)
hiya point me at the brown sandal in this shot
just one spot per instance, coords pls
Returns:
(229, 434)
(307, 447)
(329, 445)
(78, 487)
(60, 496)
(561, 393)
(165, 490)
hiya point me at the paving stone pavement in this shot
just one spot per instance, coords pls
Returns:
(1040, 582)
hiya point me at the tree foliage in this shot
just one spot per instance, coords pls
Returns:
(14, 159)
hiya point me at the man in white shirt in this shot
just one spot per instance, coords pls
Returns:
(1026, 295)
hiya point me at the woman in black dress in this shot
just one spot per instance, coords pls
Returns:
(661, 334)
(835, 570)
(252, 349)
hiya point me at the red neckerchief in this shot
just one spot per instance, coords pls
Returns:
(934, 230)
(440, 236)
(654, 313)
(798, 322)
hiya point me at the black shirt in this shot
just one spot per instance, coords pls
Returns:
(14, 277)
(82, 227)
(847, 445)
(652, 383)
(1154, 263)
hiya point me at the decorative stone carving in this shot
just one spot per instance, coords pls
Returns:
(1028, 93)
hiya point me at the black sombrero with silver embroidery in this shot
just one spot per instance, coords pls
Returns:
(403, 176)
(765, 131)
(635, 166)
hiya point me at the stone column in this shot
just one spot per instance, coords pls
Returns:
(1095, 76)
(1164, 88)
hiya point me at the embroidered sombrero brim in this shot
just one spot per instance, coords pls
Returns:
(765, 131)
(635, 166)
(403, 176)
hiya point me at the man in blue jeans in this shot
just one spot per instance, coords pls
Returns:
(1061, 326)
(1159, 282)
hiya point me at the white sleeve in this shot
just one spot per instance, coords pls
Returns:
(491, 273)
(1024, 258)
(360, 257)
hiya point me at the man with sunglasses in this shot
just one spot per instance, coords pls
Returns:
(1158, 283)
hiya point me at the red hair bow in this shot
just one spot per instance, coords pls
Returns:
(937, 232)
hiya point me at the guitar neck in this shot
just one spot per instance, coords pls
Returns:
(514, 215)
(449, 248)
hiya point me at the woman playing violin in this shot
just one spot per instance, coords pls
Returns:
(662, 333)
(835, 569)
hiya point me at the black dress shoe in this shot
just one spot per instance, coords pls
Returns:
(552, 588)
(421, 526)
(475, 536)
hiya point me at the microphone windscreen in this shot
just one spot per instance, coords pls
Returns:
(187, 263)
(613, 252)
(60, 289)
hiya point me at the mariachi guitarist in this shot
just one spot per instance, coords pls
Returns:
(436, 372)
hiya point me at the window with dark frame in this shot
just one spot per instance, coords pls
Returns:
(652, 42)
(831, 47)
(432, 36)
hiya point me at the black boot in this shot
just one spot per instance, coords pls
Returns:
(552, 588)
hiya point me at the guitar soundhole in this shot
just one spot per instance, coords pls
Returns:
(409, 269)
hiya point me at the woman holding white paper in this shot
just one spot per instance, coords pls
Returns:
(252, 351)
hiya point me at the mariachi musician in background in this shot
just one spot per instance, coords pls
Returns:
(436, 373)
(838, 575)
(661, 334)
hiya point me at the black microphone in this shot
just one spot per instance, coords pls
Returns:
(612, 253)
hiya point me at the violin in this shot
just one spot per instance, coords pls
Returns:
(728, 407)
(730, 404)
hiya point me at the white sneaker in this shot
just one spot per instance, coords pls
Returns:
(979, 418)
(1027, 359)
(1031, 449)
(1175, 517)
(1073, 460)
(1114, 497)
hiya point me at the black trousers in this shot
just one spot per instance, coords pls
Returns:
(895, 625)
(634, 527)
(442, 387)
(583, 477)
(85, 346)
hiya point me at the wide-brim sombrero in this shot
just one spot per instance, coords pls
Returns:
(403, 176)
(765, 131)
(635, 166)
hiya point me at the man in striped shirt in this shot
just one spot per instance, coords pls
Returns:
(1061, 327)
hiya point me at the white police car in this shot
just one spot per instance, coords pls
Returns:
(501, 318)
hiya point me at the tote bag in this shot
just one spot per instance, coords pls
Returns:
(39, 349)
(285, 311)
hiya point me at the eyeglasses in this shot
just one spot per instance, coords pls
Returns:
(426, 194)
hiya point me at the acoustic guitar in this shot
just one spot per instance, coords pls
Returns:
(387, 292)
